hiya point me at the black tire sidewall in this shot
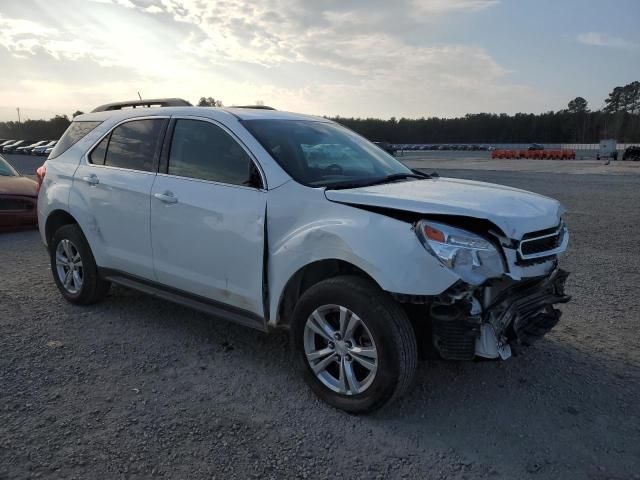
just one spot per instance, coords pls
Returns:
(378, 320)
(89, 269)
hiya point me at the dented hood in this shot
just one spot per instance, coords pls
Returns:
(514, 211)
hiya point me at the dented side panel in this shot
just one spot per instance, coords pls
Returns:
(303, 227)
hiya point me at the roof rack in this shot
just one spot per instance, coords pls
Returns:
(255, 107)
(155, 102)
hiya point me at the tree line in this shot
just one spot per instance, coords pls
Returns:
(619, 119)
(482, 128)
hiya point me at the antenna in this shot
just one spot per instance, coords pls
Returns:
(139, 96)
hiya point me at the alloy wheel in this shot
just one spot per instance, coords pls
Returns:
(69, 266)
(340, 349)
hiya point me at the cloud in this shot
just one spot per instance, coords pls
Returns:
(24, 38)
(153, 9)
(332, 57)
(604, 40)
(440, 6)
(122, 3)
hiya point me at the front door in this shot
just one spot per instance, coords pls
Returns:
(207, 217)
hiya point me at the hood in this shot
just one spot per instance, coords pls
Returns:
(514, 211)
(18, 186)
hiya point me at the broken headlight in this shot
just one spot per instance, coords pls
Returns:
(473, 258)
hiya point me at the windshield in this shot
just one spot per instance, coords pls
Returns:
(319, 154)
(6, 170)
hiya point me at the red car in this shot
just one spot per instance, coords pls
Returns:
(18, 199)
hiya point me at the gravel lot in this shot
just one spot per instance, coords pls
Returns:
(137, 387)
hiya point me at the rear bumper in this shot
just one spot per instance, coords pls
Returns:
(17, 221)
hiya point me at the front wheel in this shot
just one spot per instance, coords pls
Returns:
(353, 344)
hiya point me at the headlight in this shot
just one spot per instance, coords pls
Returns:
(470, 256)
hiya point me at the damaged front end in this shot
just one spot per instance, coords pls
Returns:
(507, 292)
(486, 321)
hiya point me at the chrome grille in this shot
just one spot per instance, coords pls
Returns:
(544, 243)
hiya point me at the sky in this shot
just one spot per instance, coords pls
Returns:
(362, 58)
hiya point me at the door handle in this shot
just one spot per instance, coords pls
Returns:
(166, 197)
(91, 179)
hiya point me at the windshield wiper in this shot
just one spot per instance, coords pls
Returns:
(378, 181)
(425, 175)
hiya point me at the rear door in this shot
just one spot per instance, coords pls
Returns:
(207, 216)
(111, 195)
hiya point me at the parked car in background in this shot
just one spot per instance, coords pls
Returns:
(28, 148)
(276, 220)
(10, 145)
(387, 147)
(536, 146)
(41, 149)
(5, 143)
(631, 153)
(11, 148)
(18, 199)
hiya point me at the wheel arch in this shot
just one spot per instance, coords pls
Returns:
(307, 276)
(55, 220)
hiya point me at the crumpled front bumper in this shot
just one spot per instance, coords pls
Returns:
(520, 313)
(524, 313)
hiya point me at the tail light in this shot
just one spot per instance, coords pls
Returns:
(40, 173)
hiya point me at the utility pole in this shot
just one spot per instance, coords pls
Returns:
(18, 110)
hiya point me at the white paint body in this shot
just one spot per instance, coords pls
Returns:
(210, 243)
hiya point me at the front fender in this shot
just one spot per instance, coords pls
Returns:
(304, 227)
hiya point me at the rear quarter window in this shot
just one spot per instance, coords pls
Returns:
(76, 131)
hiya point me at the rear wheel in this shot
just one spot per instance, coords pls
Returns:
(74, 268)
(353, 344)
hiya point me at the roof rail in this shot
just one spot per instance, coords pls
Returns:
(156, 102)
(256, 107)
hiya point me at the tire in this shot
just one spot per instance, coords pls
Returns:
(373, 323)
(68, 241)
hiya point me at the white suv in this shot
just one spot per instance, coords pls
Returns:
(279, 220)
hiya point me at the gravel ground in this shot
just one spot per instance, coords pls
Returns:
(137, 387)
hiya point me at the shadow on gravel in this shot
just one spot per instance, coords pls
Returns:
(533, 411)
(545, 410)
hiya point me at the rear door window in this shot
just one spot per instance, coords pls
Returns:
(99, 152)
(76, 131)
(132, 145)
